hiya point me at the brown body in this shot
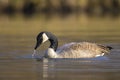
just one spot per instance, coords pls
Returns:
(82, 50)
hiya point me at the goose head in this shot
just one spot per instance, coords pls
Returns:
(45, 36)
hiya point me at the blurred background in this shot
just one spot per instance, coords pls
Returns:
(84, 19)
(70, 20)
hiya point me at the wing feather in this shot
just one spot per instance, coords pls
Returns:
(82, 49)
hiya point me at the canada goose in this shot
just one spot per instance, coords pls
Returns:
(71, 50)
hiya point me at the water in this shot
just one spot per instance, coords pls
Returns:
(17, 40)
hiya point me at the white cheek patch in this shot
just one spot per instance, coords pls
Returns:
(45, 37)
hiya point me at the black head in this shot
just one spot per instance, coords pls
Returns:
(43, 37)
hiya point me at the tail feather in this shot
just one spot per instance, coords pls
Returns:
(105, 49)
(109, 47)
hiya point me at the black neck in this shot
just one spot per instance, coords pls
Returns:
(54, 44)
(53, 40)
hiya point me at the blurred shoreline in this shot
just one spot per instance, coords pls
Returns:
(62, 8)
(92, 20)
